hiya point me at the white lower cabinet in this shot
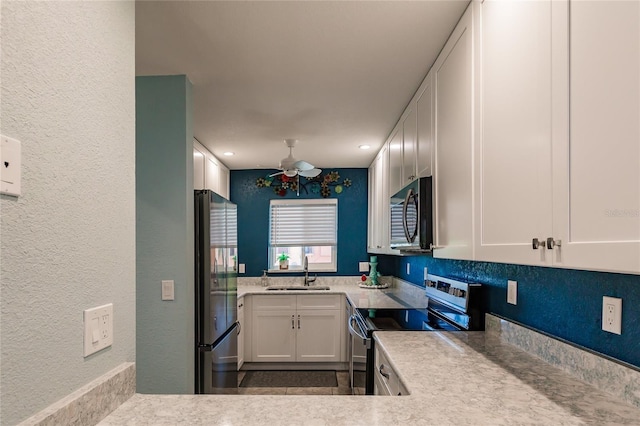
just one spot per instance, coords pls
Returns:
(297, 328)
(241, 334)
(386, 380)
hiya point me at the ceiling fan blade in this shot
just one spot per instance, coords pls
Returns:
(310, 173)
(302, 165)
(290, 172)
(275, 174)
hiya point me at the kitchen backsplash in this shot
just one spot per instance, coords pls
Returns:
(564, 303)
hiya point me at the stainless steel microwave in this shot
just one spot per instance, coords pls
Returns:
(411, 216)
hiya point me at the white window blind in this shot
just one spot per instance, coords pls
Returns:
(303, 222)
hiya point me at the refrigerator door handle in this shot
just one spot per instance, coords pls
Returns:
(239, 327)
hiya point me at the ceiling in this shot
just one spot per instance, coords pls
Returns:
(333, 74)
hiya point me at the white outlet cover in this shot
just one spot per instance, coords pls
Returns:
(612, 314)
(241, 268)
(168, 290)
(512, 292)
(98, 328)
(363, 266)
(10, 164)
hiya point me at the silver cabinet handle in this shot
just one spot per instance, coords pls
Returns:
(239, 328)
(298, 322)
(215, 323)
(385, 375)
(293, 322)
(537, 243)
(551, 243)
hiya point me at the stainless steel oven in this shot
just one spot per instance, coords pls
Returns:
(452, 306)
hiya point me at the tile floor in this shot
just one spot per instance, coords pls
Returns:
(341, 389)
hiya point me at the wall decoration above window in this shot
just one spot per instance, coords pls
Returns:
(324, 184)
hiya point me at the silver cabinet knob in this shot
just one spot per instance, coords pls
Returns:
(551, 243)
(537, 243)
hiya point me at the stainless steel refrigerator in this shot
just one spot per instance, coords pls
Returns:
(216, 314)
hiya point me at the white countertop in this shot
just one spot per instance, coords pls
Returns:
(396, 296)
(455, 378)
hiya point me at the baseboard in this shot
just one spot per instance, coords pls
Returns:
(92, 402)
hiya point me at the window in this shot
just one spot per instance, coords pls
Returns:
(302, 228)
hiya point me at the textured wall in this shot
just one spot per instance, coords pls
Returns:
(68, 243)
(562, 302)
(253, 219)
(164, 232)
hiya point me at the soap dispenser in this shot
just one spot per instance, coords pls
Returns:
(264, 280)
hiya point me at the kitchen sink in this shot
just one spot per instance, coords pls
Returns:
(296, 287)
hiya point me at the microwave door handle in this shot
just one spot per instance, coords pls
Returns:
(405, 226)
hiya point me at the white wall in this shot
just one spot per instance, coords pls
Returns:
(68, 243)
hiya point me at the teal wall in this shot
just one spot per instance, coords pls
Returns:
(253, 219)
(564, 303)
(164, 234)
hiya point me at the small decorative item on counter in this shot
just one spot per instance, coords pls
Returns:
(363, 278)
(373, 272)
(283, 260)
(264, 280)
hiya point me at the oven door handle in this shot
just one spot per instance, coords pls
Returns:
(352, 331)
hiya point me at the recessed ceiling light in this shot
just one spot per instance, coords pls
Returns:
(364, 146)
(229, 153)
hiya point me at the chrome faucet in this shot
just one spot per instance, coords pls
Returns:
(307, 280)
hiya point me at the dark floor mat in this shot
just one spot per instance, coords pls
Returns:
(289, 379)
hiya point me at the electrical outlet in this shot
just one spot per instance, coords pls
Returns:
(612, 314)
(98, 328)
(363, 266)
(512, 292)
(408, 269)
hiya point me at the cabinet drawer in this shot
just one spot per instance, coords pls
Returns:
(276, 302)
(386, 375)
(319, 301)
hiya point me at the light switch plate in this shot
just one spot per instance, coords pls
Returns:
(168, 290)
(98, 328)
(363, 266)
(512, 292)
(10, 163)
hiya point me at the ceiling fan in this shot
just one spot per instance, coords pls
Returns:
(291, 167)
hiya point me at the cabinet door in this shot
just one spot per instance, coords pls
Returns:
(395, 161)
(211, 175)
(223, 181)
(454, 144)
(513, 131)
(378, 226)
(198, 168)
(273, 336)
(597, 157)
(242, 333)
(409, 146)
(425, 128)
(371, 204)
(318, 335)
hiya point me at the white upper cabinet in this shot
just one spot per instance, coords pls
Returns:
(452, 73)
(378, 220)
(198, 167)
(409, 129)
(513, 131)
(395, 160)
(596, 152)
(208, 171)
(425, 128)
